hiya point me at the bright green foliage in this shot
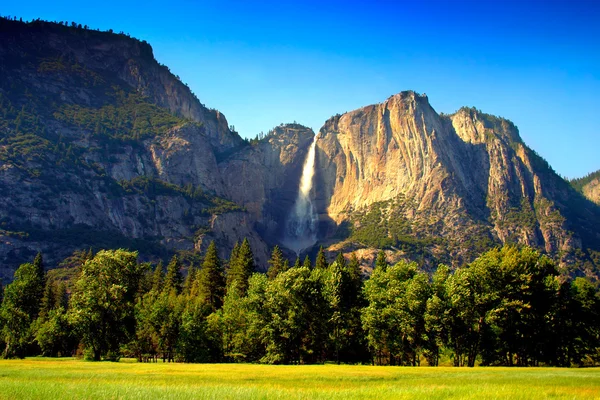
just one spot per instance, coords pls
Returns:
(343, 292)
(394, 319)
(173, 277)
(241, 267)
(296, 317)
(20, 308)
(276, 263)
(53, 333)
(437, 325)
(240, 324)
(194, 344)
(210, 285)
(307, 263)
(102, 305)
(321, 261)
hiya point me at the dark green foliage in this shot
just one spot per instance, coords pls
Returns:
(381, 261)
(20, 308)
(210, 285)
(384, 225)
(277, 263)
(102, 305)
(129, 117)
(173, 278)
(241, 267)
(296, 318)
(508, 307)
(321, 261)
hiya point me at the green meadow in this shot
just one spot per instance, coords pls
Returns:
(75, 379)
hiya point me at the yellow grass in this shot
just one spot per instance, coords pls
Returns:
(74, 379)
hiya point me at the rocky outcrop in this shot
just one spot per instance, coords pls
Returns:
(101, 146)
(592, 190)
(95, 158)
(457, 178)
(264, 177)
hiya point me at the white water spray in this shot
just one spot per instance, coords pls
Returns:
(301, 227)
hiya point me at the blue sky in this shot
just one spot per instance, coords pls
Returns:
(534, 62)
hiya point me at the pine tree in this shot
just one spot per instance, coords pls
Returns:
(276, 263)
(381, 262)
(173, 278)
(241, 268)
(210, 285)
(60, 296)
(307, 263)
(234, 255)
(48, 300)
(188, 283)
(158, 278)
(297, 263)
(38, 263)
(321, 262)
(341, 261)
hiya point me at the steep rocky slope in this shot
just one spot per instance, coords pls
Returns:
(589, 186)
(401, 176)
(100, 146)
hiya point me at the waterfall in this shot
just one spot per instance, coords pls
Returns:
(301, 226)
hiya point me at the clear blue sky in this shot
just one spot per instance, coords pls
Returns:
(534, 62)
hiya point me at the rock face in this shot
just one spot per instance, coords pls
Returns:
(453, 178)
(592, 190)
(100, 146)
(589, 186)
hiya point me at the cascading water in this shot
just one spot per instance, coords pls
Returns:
(301, 226)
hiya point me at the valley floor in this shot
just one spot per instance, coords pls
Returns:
(74, 379)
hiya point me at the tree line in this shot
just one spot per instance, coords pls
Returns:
(508, 307)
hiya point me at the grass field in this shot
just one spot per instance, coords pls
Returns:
(73, 379)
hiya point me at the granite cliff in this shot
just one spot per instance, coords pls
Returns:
(103, 147)
(400, 175)
(589, 186)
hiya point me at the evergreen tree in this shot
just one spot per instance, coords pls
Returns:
(173, 277)
(190, 279)
(242, 267)
(276, 263)
(321, 261)
(341, 261)
(211, 280)
(381, 262)
(297, 263)
(307, 263)
(48, 302)
(158, 278)
(61, 298)
(234, 256)
(38, 263)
